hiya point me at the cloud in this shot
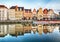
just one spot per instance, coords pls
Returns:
(54, 4)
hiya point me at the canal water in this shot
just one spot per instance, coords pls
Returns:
(28, 32)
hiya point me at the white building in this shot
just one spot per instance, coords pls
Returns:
(3, 12)
(3, 30)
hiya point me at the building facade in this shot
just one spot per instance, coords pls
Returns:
(18, 12)
(11, 14)
(3, 30)
(34, 14)
(40, 29)
(11, 29)
(40, 14)
(45, 12)
(3, 12)
(27, 14)
(50, 14)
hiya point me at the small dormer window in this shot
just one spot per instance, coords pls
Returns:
(20, 9)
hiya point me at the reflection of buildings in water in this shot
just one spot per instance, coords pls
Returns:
(34, 28)
(19, 29)
(3, 30)
(45, 30)
(50, 28)
(27, 28)
(11, 29)
(40, 29)
(59, 28)
(16, 29)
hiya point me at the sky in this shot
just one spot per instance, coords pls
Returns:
(31, 4)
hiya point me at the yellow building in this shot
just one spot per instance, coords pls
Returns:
(19, 30)
(19, 13)
(40, 29)
(40, 14)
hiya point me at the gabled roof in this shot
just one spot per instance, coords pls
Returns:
(3, 6)
(34, 10)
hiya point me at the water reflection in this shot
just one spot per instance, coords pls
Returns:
(21, 29)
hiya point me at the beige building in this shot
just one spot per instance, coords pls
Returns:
(18, 12)
(40, 13)
(11, 29)
(16, 29)
(11, 14)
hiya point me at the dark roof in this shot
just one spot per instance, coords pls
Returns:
(3, 6)
(13, 7)
(50, 10)
(27, 9)
(37, 11)
(21, 8)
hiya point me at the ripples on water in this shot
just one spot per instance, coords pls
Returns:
(29, 33)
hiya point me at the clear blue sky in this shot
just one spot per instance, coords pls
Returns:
(55, 4)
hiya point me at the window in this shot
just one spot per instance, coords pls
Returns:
(20, 9)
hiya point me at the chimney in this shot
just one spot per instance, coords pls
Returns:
(16, 9)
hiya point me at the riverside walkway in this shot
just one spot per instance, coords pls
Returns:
(47, 22)
(15, 21)
(36, 22)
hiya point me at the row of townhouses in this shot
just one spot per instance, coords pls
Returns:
(19, 13)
